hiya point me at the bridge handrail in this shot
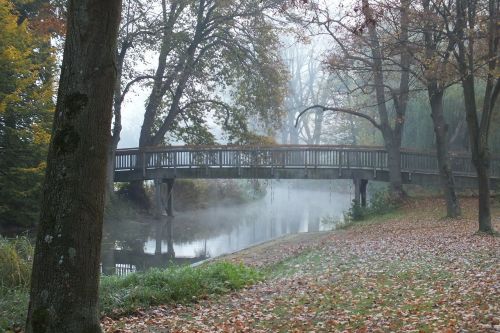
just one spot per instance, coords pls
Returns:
(305, 156)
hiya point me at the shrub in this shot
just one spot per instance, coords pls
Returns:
(16, 259)
(380, 203)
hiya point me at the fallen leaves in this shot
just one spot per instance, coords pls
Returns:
(411, 274)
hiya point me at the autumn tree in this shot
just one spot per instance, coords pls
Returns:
(65, 277)
(432, 55)
(370, 53)
(218, 60)
(477, 34)
(209, 47)
(26, 89)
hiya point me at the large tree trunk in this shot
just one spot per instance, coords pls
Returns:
(65, 278)
(445, 171)
(393, 148)
(484, 196)
(480, 155)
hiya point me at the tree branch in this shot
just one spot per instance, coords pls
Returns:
(343, 110)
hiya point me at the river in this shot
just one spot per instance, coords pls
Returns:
(194, 236)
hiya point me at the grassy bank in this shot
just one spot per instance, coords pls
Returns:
(124, 295)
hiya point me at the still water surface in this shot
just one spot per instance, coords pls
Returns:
(193, 236)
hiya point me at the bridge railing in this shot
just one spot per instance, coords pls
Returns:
(288, 156)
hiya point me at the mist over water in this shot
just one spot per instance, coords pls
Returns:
(288, 207)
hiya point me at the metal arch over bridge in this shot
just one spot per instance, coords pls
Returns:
(289, 162)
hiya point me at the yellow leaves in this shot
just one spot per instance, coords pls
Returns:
(35, 170)
(40, 135)
(11, 53)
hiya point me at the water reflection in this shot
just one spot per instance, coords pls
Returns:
(193, 236)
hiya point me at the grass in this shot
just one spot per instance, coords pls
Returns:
(16, 257)
(122, 295)
(13, 307)
(15, 262)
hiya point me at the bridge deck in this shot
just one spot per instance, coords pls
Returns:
(297, 162)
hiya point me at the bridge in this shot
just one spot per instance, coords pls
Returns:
(360, 163)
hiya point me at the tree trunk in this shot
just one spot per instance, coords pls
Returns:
(484, 196)
(478, 129)
(445, 171)
(117, 126)
(110, 173)
(394, 166)
(318, 126)
(65, 277)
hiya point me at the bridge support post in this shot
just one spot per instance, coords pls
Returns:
(360, 186)
(362, 189)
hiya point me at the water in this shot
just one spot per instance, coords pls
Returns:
(193, 236)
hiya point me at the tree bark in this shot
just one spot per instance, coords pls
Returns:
(445, 171)
(65, 277)
(393, 148)
(484, 197)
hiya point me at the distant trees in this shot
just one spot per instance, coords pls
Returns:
(65, 277)
(307, 85)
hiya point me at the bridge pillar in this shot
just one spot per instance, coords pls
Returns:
(362, 189)
(360, 186)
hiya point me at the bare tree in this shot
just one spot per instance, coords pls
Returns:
(432, 51)
(372, 56)
(308, 85)
(477, 36)
(65, 277)
(138, 31)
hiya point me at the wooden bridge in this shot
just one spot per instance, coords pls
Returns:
(289, 162)
(165, 164)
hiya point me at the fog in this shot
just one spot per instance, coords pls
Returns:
(288, 207)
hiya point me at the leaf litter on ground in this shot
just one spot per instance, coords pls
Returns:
(414, 272)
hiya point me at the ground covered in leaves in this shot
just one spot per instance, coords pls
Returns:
(408, 272)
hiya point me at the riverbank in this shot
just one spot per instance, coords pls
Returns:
(409, 271)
